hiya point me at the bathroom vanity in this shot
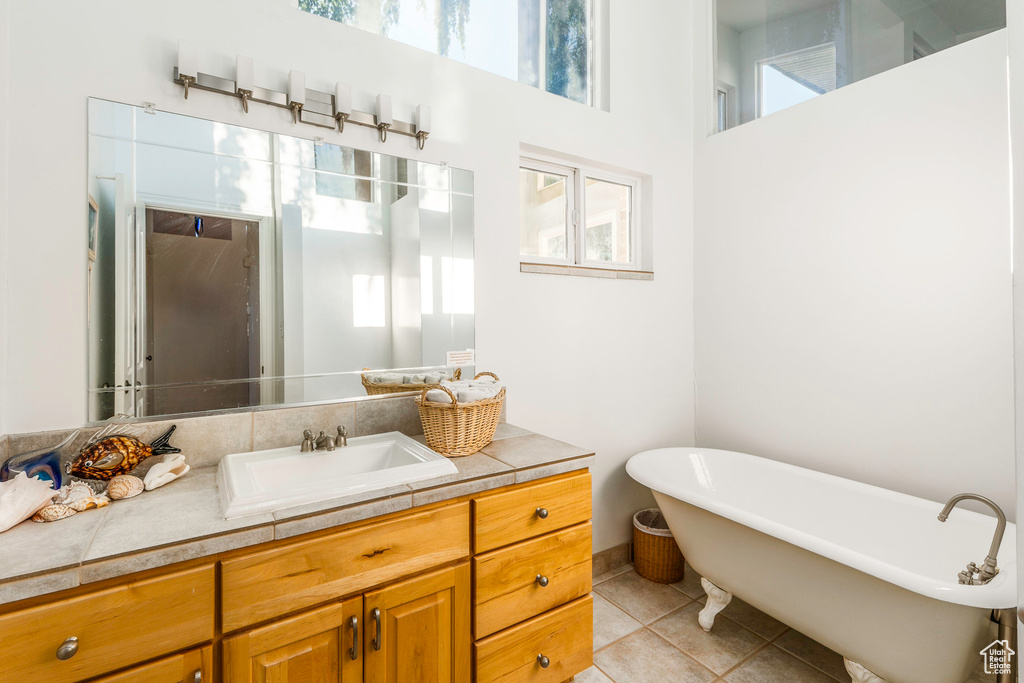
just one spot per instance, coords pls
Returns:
(486, 586)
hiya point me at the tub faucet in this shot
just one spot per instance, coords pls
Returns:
(988, 570)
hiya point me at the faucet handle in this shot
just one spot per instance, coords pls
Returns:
(342, 430)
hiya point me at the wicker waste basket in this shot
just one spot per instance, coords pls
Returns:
(656, 556)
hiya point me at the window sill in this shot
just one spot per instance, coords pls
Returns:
(584, 271)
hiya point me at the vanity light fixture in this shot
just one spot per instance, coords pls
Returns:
(342, 104)
(188, 69)
(313, 107)
(244, 81)
(422, 124)
(296, 93)
(384, 118)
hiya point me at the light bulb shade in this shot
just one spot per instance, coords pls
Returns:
(245, 73)
(423, 119)
(188, 63)
(384, 110)
(296, 87)
(342, 98)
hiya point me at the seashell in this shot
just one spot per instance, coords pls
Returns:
(164, 472)
(21, 497)
(51, 513)
(125, 486)
(80, 497)
(71, 492)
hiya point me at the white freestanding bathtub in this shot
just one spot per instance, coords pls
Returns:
(869, 572)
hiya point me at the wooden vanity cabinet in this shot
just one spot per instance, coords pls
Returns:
(412, 630)
(387, 600)
(418, 630)
(323, 644)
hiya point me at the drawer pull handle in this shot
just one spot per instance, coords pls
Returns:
(542, 513)
(378, 639)
(542, 581)
(353, 653)
(197, 677)
(543, 661)
(67, 649)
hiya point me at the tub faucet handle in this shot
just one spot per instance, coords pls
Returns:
(307, 442)
(966, 577)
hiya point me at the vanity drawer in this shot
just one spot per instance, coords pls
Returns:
(565, 636)
(115, 628)
(516, 515)
(267, 584)
(508, 587)
(180, 668)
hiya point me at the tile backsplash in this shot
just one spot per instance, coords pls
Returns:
(206, 439)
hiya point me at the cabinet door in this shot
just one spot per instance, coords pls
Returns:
(418, 630)
(320, 646)
(194, 666)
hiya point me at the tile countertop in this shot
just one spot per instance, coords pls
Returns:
(182, 521)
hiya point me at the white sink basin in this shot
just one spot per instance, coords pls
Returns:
(262, 481)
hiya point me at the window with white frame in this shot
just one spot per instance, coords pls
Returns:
(574, 215)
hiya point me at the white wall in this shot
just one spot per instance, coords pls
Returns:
(613, 342)
(1015, 40)
(4, 104)
(852, 279)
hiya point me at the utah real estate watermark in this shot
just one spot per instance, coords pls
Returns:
(998, 657)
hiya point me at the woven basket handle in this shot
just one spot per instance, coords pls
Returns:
(489, 374)
(457, 375)
(423, 396)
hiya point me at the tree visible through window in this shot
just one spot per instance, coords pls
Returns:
(545, 43)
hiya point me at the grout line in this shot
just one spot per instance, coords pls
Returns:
(685, 653)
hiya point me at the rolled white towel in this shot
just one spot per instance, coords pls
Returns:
(438, 396)
(417, 379)
(433, 377)
(390, 378)
(475, 394)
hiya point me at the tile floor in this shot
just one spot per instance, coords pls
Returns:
(646, 632)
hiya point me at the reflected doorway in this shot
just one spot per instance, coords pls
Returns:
(201, 311)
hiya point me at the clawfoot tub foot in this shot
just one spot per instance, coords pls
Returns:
(859, 674)
(717, 600)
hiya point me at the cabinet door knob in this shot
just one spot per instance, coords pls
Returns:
(67, 649)
(542, 581)
(542, 513)
(378, 639)
(543, 661)
(354, 652)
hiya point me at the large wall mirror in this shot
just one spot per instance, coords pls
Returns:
(231, 267)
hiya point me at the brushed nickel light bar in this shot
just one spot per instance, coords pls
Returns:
(312, 107)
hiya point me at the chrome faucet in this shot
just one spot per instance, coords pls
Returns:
(988, 570)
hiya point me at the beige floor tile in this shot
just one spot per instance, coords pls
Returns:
(592, 675)
(642, 599)
(690, 585)
(645, 658)
(814, 653)
(726, 645)
(611, 623)
(613, 573)
(772, 665)
(757, 621)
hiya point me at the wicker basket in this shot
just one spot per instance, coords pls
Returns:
(457, 429)
(377, 388)
(656, 556)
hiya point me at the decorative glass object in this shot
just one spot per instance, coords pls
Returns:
(43, 463)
